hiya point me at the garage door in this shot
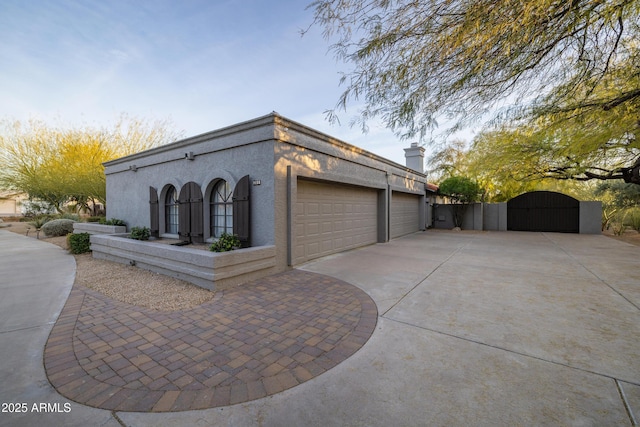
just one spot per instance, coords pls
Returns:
(405, 214)
(331, 218)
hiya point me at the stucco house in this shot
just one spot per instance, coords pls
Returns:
(12, 203)
(291, 193)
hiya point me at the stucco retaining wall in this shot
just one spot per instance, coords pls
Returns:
(95, 228)
(209, 270)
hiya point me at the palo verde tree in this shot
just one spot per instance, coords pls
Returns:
(456, 159)
(61, 165)
(413, 63)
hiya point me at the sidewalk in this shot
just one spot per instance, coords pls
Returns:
(488, 329)
(35, 280)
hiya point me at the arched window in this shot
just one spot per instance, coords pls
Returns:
(221, 209)
(171, 211)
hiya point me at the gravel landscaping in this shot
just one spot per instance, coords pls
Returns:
(125, 283)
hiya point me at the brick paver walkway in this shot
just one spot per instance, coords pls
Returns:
(249, 342)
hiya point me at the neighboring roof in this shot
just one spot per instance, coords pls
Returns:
(432, 187)
(10, 194)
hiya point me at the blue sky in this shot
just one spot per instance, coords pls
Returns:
(203, 64)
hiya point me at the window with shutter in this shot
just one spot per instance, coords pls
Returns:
(221, 209)
(171, 217)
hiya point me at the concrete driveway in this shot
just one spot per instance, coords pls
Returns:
(490, 329)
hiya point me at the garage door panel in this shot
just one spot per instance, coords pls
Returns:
(405, 214)
(334, 218)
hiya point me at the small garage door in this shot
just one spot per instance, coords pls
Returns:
(331, 218)
(405, 214)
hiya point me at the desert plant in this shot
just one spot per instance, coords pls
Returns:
(95, 219)
(112, 221)
(79, 243)
(140, 233)
(71, 216)
(37, 223)
(226, 242)
(633, 219)
(58, 227)
(618, 228)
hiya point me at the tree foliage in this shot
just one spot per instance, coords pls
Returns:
(461, 189)
(600, 145)
(60, 165)
(416, 61)
(569, 69)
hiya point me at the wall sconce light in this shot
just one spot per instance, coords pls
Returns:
(133, 168)
(189, 155)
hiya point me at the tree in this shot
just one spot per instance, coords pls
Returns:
(449, 160)
(592, 145)
(462, 190)
(59, 166)
(417, 62)
(616, 197)
(456, 159)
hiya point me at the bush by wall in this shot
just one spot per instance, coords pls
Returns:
(140, 233)
(226, 242)
(58, 227)
(79, 243)
(112, 221)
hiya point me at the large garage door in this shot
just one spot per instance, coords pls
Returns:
(405, 214)
(543, 211)
(331, 218)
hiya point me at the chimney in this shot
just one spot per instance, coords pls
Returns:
(415, 157)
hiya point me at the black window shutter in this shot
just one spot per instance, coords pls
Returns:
(242, 211)
(154, 212)
(197, 220)
(184, 213)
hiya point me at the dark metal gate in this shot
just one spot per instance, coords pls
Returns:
(543, 211)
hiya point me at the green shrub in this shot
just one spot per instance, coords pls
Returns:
(226, 242)
(633, 219)
(71, 216)
(112, 221)
(95, 218)
(58, 227)
(79, 243)
(140, 233)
